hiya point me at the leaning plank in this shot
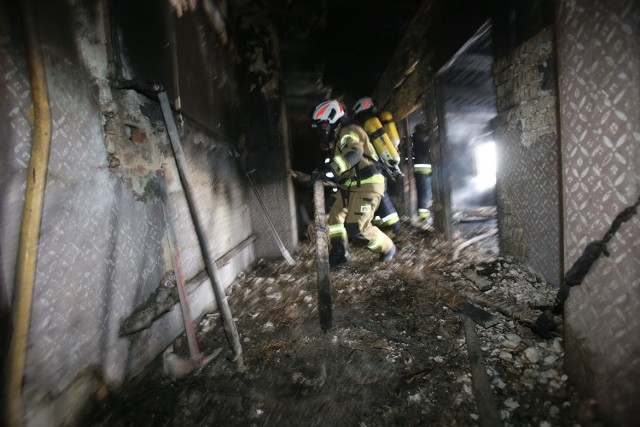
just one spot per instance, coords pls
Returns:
(482, 389)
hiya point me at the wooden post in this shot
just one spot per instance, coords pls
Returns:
(437, 136)
(325, 308)
(410, 196)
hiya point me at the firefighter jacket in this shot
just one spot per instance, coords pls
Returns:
(356, 162)
(421, 152)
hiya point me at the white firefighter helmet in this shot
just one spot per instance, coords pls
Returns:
(328, 111)
(363, 104)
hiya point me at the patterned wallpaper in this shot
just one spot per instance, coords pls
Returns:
(101, 251)
(599, 82)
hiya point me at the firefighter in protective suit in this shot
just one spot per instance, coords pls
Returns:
(422, 169)
(386, 217)
(354, 167)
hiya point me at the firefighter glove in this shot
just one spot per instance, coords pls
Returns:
(326, 173)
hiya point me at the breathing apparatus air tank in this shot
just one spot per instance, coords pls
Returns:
(381, 142)
(389, 125)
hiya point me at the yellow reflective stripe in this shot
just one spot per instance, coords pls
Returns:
(337, 230)
(391, 219)
(377, 243)
(375, 179)
(424, 213)
(342, 164)
(424, 169)
(346, 137)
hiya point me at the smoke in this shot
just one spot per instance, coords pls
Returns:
(476, 187)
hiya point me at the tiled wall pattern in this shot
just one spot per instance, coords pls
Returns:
(102, 249)
(528, 175)
(599, 82)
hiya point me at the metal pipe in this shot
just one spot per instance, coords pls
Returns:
(31, 220)
(205, 245)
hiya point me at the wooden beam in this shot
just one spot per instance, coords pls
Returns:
(489, 416)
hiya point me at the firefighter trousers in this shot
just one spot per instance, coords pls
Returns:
(424, 192)
(350, 220)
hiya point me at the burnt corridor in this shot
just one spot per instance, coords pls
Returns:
(164, 258)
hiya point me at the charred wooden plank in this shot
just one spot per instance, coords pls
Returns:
(325, 308)
(478, 315)
(489, 416)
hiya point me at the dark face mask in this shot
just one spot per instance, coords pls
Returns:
(326, 133)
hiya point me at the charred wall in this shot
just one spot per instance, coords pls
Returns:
(103, 249)
(264, 132)
(599, 90)
(567, 79)
(527, 190)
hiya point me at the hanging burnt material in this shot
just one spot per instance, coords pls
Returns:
(158, 303)
(545, 323)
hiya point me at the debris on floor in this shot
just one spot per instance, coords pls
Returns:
(396, 355)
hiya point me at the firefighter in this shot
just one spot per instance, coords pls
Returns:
(386, 217)
(422, 169)
(354, 167)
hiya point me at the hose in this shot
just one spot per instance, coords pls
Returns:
(30, 229)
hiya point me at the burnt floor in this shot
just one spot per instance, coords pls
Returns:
(397, 354)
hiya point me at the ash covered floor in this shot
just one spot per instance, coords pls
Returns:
(397, 354)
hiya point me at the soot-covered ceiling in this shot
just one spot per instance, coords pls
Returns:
(337, 48)
(341, 49)
(334, 49)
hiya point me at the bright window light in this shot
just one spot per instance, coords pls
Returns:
(486, 165)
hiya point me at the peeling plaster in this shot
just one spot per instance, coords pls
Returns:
(136, 146)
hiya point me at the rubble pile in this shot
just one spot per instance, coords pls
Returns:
(396, 355)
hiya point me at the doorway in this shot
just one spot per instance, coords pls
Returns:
(467, 104)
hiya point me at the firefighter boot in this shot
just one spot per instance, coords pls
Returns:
(338, 254)
(388, 256)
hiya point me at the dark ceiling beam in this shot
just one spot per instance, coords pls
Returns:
(478, 37)
(436, 34)
(408, 66)
(478, 62)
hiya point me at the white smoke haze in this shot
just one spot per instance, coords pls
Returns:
(475, 185)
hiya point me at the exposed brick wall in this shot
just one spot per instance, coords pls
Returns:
(528, 174)
(599, 92)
